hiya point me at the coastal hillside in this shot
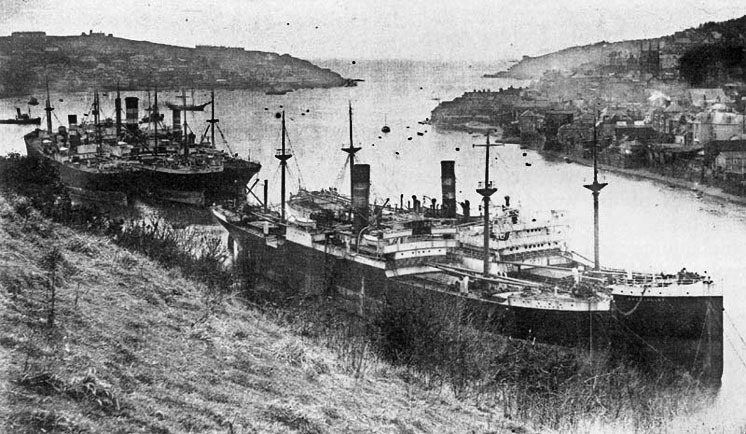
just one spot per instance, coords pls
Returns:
(136, 347)
(531, 68)
(711, 52)
(96, 60)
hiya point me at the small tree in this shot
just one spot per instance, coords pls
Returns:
(52, 263)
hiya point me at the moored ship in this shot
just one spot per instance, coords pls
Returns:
(324, 242)
(91, 168)
(177, 167)
(22, 119)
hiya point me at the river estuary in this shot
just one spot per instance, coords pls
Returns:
(644, 225)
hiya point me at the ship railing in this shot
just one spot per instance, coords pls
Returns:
(659, 281)
(283, 152)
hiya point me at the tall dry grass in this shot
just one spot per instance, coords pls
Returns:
(418, 340)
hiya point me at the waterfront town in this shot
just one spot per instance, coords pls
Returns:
(642, 102)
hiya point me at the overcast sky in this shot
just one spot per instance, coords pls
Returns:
(414, 29)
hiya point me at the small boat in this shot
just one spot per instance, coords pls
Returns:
(188, 107)
(33, 101)
(22, 119)
(275, 91)
(385, 128)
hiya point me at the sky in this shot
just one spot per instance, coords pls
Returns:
(449, 30)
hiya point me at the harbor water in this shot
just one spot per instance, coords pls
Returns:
(646, 226)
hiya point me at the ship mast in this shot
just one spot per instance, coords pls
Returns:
(486, 190)
(184, 136)
(351, 150)
(595, 188)
(96, 121)
(118, 109)
(153, 112)
(283, 156)
(212, 119)
(48, 108)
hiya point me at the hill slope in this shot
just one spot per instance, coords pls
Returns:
(88, 61)
(709, 53)
(138, 348)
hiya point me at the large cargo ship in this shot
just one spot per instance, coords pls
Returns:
(91, 166)
(178, 167)
(520, 281)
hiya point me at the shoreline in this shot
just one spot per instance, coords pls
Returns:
(706, 190)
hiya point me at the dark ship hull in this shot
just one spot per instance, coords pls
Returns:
(29, 121)
(198, 186)
(308, 270)
(685, 330)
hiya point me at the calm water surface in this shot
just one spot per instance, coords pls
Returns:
(644, 225)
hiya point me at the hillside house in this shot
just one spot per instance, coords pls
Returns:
(635, 133)
(530, 122)
(716, 125)
(730, 159)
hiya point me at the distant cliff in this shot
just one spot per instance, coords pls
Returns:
(96, 60)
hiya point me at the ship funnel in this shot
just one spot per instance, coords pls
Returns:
(131, 104)
(18, 112)
(360, 195)
(72, 120)
(448, 186)
(176, 116)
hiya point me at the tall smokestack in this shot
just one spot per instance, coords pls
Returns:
(448, 186)
(176, 120)
(360, 196)
(131, 104)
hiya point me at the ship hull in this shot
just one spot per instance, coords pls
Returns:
(588, 329)
(309, 270)
(687, 331)
(198, 186)
(31, 121)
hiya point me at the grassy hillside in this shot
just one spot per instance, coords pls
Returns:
(135, 347)
(111, 326)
